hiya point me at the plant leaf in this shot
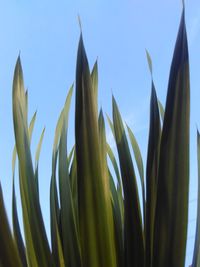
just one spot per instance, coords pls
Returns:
(37, 156)
(171, 215)
(149, 62)
(118, 222)
(94, 78)
(8, 250)
(57, 250)
(161, 109)
(139, 162)
(115, 166)
(35, 234)
(71, 245)
(70, 156)
(31, 126)
(17, 230)
(152, 173)
(133, 232)
(98, 248)
(196, 254)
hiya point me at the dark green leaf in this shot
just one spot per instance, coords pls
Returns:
(171, 217)
(139, 162)
(133, 232)
(71, 245)
(8, 250)
(152, 173)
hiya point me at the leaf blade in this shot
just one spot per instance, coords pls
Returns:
(133, 232)
(173, 178)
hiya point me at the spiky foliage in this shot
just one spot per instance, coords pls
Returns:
(97, 218)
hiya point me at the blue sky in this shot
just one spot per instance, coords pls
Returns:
(117, 32)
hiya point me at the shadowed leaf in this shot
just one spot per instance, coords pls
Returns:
(8, 250)
(171, 214)
(71, 245)
(133, 233)
(152, 173)
(139, 162)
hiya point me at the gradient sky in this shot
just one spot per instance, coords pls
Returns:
(117, 32)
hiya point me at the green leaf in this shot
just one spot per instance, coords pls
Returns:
(37, 156)
(17, 230)
(8, 250)
(115, 166)
(56, 237)
(105, 172)
(74, 186)
(31, 126)
(26, 97)
(14, 156)
(94, 78)
(152, 173)
(57, 134)
(171, 217)
(103, 155)
(111, 125)
(70, 156)
(149, 62)
(30, 130)
(56, 241)
(133, 232)
(16, 227)
(38, 150)
(161, 109)
(98, 248)
(118, 223)
(196, 254)
(36, 240)
(54, 162)
(71, 245)
(57, 251)
(139, 162)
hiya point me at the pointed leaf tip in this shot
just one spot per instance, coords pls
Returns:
(113, 100)
(18, 63)
(149, 61)
(183, 3)
(18, 72)
(101, 112)
(80, 24)
(173, 171)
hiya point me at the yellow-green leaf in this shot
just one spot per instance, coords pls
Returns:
(98, 248)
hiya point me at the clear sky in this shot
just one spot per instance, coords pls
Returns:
(117, 32)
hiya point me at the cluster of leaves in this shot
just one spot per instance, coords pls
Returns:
(96, 216)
